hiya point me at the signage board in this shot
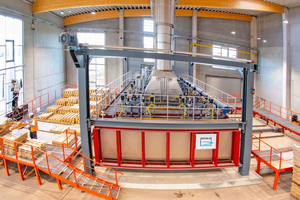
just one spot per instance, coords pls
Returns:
(206, 141)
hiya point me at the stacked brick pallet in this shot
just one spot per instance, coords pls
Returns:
(62, 139)
(4, 128)
(295, 190)
(19, 136)
(25, 150)
(44, 116)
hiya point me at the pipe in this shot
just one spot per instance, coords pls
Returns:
(149, 109)
(184, 109)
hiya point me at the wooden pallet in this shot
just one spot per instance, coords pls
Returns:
(63, 110)
(76, 93)
(61, 101)
(69, 92)
(55, 118)
(53, 109)
(25, 150)
(61, 128)
(44, 116)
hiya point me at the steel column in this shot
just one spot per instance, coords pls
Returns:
(247, 117)
(84, 109)
(119, 149)
(193, 146)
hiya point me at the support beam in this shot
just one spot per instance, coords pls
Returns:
(247, 117)
(253, 43)
(286, 74)
(121, 38)
(255, 5)
(147, 13)
(46, 5)
(84, 109)
(194, 35)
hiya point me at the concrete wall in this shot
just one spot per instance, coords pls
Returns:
(269, 81)
(208, 28)
(295, 58)
(43, 55)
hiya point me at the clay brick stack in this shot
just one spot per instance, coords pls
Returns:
(44, 116)
(25, 150)
(19, 136)
(4, 128)
(69, 92)
(295, 189)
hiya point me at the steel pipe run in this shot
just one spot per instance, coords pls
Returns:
(224, 107)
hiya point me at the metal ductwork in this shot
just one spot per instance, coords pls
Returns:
(164, 13)
(163, 80)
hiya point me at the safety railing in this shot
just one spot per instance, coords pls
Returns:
(274, 156)
(275, 109)
(21, 112)
(106, 95)
(214, 92)
(39, 159)
(169, 107)
(82, 165)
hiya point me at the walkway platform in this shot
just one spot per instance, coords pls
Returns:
(193, 179)
(285, 124)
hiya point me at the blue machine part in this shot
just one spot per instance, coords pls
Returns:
(225, 108)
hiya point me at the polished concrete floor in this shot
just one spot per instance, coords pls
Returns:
(12, 188)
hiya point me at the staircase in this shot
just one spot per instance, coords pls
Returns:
(69, 169)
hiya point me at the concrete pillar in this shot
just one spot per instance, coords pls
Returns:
(194, 35)
(253, 43)
(121, 37)
(286, 73)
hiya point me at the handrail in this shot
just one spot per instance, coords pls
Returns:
(271, 150)
(55, 167)
(201, 45)
(42, 103)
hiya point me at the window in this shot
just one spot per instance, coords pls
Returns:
(148, 40)
(225, 52)
(97, 64)
(11, 59)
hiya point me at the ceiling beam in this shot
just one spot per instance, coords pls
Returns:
(50, 5)
(213, 14)
(147, 13)
(255, 5)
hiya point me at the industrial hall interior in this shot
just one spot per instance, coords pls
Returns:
(149, 99)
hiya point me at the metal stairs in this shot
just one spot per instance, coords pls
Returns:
(67, 168)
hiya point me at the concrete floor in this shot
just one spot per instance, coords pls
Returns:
(13, 188)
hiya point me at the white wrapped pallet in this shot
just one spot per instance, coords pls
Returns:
(297, 154)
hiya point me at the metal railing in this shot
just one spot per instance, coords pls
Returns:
(169, 107)
(214, 92)
(37, 103)
(275, 109)
(269, 151)
(42, 160)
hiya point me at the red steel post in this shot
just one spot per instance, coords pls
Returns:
(168, 149)
(143, 148)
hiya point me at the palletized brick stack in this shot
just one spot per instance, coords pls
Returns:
(61, 101)
(53, 109)
(25, 150)
(4, 128)
(44, 116)
(69, 92)
(71, 101)
(295, 190)
(64, 110)
(19, 136)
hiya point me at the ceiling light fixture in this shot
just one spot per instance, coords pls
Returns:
(62, 12)
(233, 32)
(258, 38)
(285, 21)
(264, 41)
(93, 12)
